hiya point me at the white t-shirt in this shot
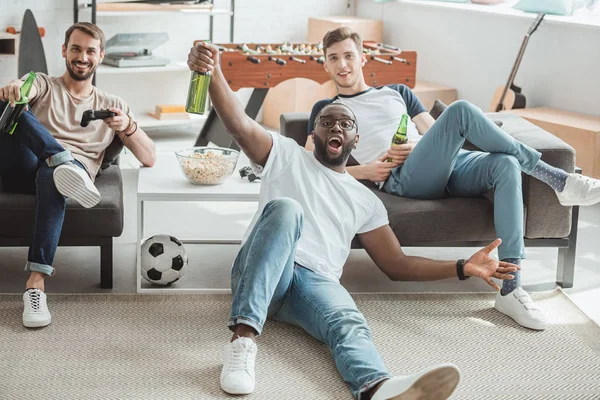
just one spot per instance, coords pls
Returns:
(336, 206)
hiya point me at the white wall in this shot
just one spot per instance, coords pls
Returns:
(255, 21)
(474, 52)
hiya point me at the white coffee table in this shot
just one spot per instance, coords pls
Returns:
(165, 182)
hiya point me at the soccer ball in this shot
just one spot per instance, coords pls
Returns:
(163, 260)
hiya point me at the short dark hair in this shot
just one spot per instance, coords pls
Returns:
(90, 29)
(336, 104)
(339, 35)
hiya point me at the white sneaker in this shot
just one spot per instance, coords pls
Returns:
(237, 376)
(35, 311)
(580, 190)
(74, 182)
(435, 383)
(519, 306)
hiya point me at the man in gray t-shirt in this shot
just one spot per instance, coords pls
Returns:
(52, 156)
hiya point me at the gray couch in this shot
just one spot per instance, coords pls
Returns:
(465, 222)
(82, 227)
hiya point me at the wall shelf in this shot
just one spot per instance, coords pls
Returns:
(154, 12)
(146, 121)
(91, 10)
(154, 9)
(173, 67)
(8, 44)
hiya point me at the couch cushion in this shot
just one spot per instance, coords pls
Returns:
(103, 220)
(419, 221)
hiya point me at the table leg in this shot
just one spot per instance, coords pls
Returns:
(138, 244)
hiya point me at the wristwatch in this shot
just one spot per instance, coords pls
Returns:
(460, 270)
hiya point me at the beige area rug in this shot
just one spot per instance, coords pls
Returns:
(131, 346)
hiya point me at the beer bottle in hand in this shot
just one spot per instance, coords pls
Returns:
(198, 91)
(10, 116)
(401, 137)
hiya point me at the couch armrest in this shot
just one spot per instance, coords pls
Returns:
(545, 216)
(295, 125)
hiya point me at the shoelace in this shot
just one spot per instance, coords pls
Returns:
(34, 300)
(241, 359)
(586, 183)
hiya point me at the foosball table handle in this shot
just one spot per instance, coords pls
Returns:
(381, 60)
(254, 60)
(277, 60)
(402, 60)
(299, 60)
(387, 46)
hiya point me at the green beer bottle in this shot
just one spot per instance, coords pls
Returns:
(10, 116)
(198, 91)
(401, 137)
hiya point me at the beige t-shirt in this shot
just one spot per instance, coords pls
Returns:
(60, 113)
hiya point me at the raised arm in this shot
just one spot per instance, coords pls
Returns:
(383, 247)
(248, 134)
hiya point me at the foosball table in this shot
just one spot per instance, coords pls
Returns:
(263, 66)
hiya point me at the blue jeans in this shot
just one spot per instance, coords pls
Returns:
(267, 283)
(27, 161)
(438, 166)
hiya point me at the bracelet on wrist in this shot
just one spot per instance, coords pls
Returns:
(131, 131)
(129, 125)
(460, 270)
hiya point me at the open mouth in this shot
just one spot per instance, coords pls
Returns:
(344, 75)
(334, 144)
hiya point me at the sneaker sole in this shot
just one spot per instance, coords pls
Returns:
(237, 390)
(37, 324)
(590, 202)
(70, 184)
(524, 324)
(438, 384)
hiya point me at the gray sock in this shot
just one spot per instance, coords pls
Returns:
(508, 285)
(553, 177)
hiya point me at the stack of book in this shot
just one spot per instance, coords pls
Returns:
(166, 111)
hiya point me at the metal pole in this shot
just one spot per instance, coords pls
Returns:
(75, 11)
(93, 11)
(231, 21)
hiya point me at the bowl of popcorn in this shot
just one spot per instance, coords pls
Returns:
(207, 165)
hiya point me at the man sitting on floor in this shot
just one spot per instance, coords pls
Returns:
(438, 166)
(289, 266)
(51, 155)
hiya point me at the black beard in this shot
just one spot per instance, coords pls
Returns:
(80, 77)
(322, 155)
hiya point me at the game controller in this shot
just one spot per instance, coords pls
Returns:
(247, 172)
(92, 115)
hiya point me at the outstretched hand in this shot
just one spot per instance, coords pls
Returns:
(481, 265)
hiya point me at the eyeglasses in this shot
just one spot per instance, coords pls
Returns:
(328, 122)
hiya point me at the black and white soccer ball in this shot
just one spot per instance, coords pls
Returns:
(164, 260)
